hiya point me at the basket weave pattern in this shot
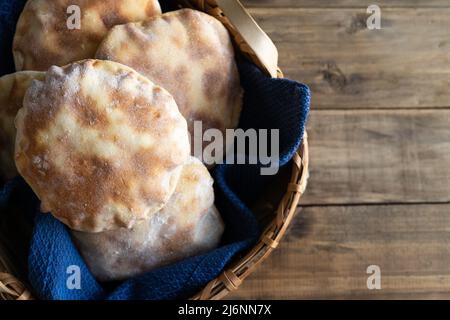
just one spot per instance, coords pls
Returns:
(233, 277)
(230, 280)
(12, 289)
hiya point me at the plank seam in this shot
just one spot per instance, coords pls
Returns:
(373, 204)
(344, 7)
(425, 108)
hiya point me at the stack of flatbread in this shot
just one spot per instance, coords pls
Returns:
(99, 120)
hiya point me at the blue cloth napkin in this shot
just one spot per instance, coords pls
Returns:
(268, 104)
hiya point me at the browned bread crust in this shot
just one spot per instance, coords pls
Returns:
(43, 38)
(100, 144)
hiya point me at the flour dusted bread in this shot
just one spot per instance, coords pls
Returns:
(100, 145)
(12, 90)
(43, 37)
(188, 225)
(190, 54)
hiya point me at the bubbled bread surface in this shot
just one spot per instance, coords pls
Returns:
(188, 225)
(190, 54)
(101, 145)
(43, 37)
(12, 91)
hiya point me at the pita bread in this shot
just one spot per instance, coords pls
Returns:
(12, 90)
(188, 225)
(190, 54)
(43, 37)
(100, 145)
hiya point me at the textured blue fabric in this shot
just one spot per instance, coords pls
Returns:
(268, 104)
(9, 14)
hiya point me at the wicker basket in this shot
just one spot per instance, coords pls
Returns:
(253, 43)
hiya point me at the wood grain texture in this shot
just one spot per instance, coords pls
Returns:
(346, 3)
(328, 249)
(379, 139)
(405, 64)
(379, 156)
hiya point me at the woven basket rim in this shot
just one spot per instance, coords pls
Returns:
(231, 278)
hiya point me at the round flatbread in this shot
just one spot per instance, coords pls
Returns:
(190, 54)
(12, 90)
(48, 32)
(100, 145)
(188, 225)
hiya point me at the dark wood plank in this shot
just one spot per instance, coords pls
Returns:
(328, 249)
(345, 3)
(405, 64)
(379, 156)
(361, 157)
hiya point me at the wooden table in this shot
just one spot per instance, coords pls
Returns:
(379, 192)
